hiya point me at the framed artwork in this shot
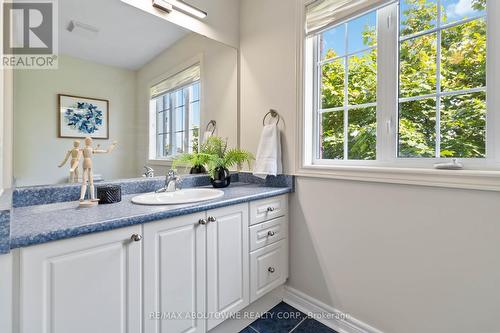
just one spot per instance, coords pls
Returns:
(81, 117)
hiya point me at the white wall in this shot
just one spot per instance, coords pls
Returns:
(403, 259)
(222, 21)
(219, 75)
(267, 49)
(38, 150)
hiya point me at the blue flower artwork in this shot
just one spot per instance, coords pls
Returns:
(82, 117)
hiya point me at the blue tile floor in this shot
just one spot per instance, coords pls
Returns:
(285, 319)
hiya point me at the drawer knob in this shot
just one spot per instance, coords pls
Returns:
(211, 219)
(136, 237)
(271, 270)
(202, 221)
(271, 209)
(271, 233)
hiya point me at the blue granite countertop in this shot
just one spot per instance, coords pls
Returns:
(5, 207)
(43, 223)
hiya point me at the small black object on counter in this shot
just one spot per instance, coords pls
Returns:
(221, 178)
(108, 194)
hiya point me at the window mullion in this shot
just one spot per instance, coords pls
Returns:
(317, 100)
(171, 124)
(387, 83)
(493, 80)
(438, 82)
(187, 107)
(346, 94)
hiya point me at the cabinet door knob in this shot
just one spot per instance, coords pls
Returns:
(211, 219)
(271, 270)
(136, 237)
(271, 209)
(202, 221)
(271, 233)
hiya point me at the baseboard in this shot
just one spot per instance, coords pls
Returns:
(325, 314)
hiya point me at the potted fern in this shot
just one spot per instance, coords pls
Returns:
(195, 160)
(222, 158)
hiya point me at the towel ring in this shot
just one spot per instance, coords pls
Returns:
(273, 114)
(212, 123)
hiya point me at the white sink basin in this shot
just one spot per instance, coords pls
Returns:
(185, 196)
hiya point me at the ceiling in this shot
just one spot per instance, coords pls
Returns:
(127, 37)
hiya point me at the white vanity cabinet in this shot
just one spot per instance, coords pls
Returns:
(268, 245)
(193, 260)
(227, 262)
(175, 274)
(83, 284)
(184, 274)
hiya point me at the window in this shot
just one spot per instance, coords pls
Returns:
(348, 67)
(442, 79)
(175, 110)
(397, 83)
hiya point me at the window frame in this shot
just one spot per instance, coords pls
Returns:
(388, 63)
(482, 174)
(318, 110)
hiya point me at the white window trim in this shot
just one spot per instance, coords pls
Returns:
(196, 60)
(479, 176)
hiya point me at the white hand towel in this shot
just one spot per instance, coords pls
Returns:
(268, 159)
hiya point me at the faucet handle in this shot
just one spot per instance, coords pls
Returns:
(149, 172)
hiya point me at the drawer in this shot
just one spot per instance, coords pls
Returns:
(269, 232)
(267, 209)
(268, 269)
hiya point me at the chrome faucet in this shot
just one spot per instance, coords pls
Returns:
(171, 183)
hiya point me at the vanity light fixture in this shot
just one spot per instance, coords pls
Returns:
(168, 5)
(162, 5)
(82, 29)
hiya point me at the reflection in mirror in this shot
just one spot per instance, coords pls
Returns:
(146, 83)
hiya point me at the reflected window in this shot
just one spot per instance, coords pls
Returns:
(175, 104)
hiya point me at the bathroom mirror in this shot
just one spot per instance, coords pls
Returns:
(146, 83)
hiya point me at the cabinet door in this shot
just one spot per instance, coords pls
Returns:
(175, 275)
(227, 262)
(80, 285)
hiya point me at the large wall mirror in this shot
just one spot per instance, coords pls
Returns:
(124, 75)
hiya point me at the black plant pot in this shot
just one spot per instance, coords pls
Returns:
(222, 178)
(197, 169)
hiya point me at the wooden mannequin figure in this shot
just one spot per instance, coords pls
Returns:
(87, 176)
(74, 154)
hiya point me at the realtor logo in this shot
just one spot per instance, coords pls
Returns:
(30, 35)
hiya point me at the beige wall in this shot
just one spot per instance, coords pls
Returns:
(267, 48)
(2, 127)
(400, 258)
(403, 259)
(5, 121)
(38, 150)
(219, 75)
